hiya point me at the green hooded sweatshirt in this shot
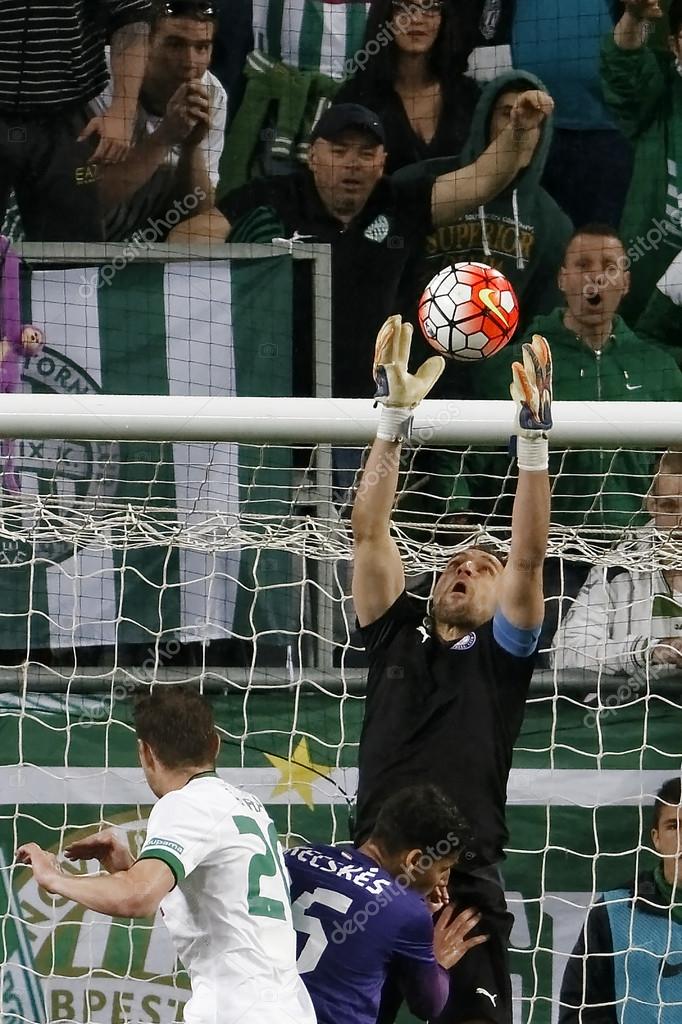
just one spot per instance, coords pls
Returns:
(644, 91)
(522, 232)
(595, 487)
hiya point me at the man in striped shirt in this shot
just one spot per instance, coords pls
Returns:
(52, 63)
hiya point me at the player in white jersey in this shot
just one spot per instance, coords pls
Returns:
(211, 861)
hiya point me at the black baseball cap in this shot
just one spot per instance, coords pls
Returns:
(340, 118)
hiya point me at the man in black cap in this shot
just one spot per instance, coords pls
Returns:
(374, 224)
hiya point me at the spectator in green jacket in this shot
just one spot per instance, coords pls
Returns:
(643, 87)
(596, 358)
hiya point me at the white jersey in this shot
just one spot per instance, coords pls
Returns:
(229, 915)
(617, 618)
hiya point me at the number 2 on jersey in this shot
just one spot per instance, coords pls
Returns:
(262, 865)
(314, 947)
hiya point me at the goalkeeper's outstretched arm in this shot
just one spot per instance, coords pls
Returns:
(378, 576)
(521, 596)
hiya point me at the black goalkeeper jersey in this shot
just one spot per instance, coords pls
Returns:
(442, 713)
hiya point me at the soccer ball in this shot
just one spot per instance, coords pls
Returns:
(468, 311)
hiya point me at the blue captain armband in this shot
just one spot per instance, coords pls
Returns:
(521, 643)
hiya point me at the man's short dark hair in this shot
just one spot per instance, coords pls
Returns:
(199, 10)
(675, 17)
(422, 818)
(596, 230)
(669, 795)
(177, 723)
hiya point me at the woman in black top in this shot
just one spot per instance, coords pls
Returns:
(416, 54)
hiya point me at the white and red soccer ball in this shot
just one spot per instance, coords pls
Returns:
(468, 311)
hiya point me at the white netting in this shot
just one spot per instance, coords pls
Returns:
(110, 583)
(228, 565)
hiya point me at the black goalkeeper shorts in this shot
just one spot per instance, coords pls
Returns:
(480, 985)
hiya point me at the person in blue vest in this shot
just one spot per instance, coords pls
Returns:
(626, 966)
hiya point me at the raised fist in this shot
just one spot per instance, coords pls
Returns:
(530, 109)
(642, 10)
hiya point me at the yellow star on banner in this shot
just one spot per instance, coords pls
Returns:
(299, 773)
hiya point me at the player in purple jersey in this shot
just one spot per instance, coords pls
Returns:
(446, 692)
(359, 912)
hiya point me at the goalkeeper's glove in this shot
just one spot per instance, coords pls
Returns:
(531, 389)
(398, 391)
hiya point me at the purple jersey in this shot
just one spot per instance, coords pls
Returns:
(352, 920)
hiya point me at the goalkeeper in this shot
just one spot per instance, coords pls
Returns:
(446, 693)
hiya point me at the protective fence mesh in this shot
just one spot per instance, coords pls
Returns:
(240, 584)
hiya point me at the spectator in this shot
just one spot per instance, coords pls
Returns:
(590, 161)
(625, 964)
(171, 171)
(625, 620)
(374, 225)
(661, 321)
(644, 89)
(521, 231)
(597, 358)
(415, 80)
(53, 64)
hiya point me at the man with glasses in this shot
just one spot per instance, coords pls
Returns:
(171, 170)
(53, 64)
(416, 78)
(630, 622)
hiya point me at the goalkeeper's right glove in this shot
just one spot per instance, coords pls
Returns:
(398, 391)
(531, 389)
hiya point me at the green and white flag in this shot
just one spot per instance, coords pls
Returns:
(312, 35)
(179, 329)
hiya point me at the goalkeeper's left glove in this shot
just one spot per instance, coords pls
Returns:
(398, 391)
(531, 389)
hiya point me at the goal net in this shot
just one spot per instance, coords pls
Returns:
(226, 564)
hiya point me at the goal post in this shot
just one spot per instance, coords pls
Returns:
(349, 421)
